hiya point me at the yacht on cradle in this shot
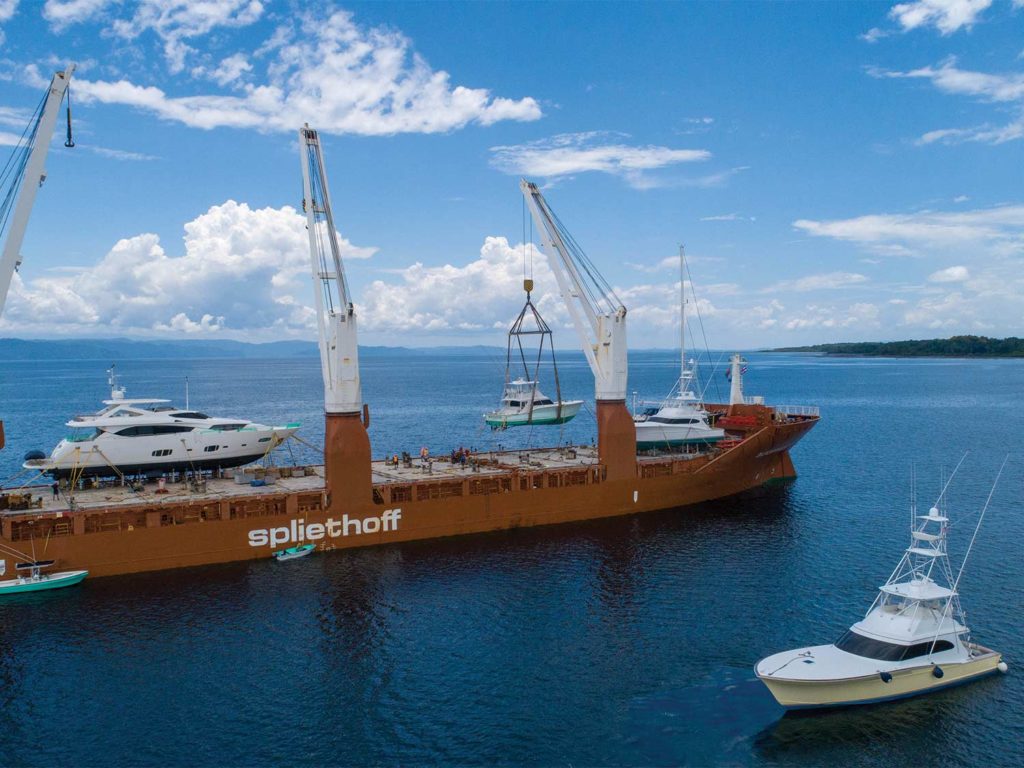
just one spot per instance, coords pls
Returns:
(151, 436)
(913, 640)
(679, 419)
(523, 403)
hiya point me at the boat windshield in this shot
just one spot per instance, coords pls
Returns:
(859, 645)
(82, 434)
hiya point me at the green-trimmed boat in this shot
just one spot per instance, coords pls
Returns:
(293, 553)
(523, 404)
(34, 580)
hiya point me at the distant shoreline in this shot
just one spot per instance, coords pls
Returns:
(954, 347)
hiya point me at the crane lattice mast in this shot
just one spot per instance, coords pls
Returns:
(336, 317)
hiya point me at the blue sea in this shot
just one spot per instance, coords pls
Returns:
(619, 642)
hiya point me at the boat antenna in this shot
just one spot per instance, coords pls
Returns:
(913, 494)
(949, 479)
(970, 546)
(980, 519)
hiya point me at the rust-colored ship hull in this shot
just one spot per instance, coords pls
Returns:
(503, 491)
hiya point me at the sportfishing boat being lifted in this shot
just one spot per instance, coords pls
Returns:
(139, 436)
(913, 640)
(680, 419)
(522, 403)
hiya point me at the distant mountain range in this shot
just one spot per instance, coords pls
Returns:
(133, 349)
(956, 346)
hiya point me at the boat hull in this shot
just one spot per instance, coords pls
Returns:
(871, 689)
(646, 442)
(154, 468)
(52, 581)
(542, 416)
(152, 536)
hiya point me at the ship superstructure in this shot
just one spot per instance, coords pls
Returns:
(351, 500)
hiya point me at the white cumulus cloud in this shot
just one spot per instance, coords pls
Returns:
(947, 16)
(1006, 89)
(956, 274)
(326, 70)
(242, 271)
(999, 227)
(572, 153)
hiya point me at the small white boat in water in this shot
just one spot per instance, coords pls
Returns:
(136, 436)
(913, 640)
(523, 404)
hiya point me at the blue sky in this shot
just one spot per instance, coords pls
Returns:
(836, 171)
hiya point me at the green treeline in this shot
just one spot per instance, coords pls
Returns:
(957, 346)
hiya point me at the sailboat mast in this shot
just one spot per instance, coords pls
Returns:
(682, 315)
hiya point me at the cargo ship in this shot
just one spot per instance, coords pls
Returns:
(352, 500)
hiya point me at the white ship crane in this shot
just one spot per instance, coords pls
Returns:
(597, 313)
(336, 316)
(27, 167)
(22, 176)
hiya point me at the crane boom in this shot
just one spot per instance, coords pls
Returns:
(597, 314)
(336, 317)
(32, 178)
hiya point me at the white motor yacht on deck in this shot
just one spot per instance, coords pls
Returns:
(150, 436)
(913, 639)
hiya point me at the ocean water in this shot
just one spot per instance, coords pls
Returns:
(627, 641)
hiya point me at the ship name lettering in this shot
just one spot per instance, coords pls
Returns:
(331, 528)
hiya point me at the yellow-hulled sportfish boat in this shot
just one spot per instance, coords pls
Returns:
(913, 639)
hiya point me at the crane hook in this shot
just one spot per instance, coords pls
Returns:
(70, 141)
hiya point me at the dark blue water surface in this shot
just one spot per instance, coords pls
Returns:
(627, 641)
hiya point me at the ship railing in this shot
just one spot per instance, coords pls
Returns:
(798, 410)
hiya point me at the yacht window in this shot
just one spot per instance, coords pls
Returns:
(190, 415)
(82, 435)
(264, 439)
(545, 401)
(666, 420)
(227, 427)
(154, 429)
(162, 452)
(515, 403)
(211, 448)
(162, 408)
(859, 645)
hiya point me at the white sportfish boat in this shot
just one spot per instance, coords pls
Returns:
(913, 639)
(522, 404)
(679, 419)
(140, 436)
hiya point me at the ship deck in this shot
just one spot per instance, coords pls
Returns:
(305, 480)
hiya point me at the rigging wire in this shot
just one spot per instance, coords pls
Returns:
(14, 169)
(700, 322)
